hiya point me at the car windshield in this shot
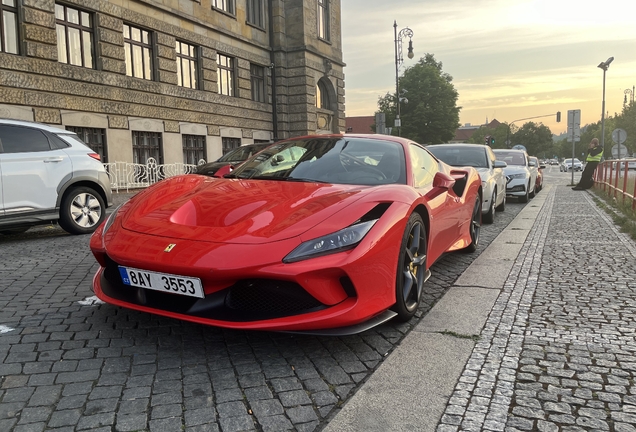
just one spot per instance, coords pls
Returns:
(511, 157)
(569, 161)
(243, 153)
(338, 160)
(460, 156)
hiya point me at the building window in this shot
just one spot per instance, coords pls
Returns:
(224, 5)
(74, 30)
(322, 97)
(255, 13)
(138, 49)
(193, 149)
(94, 138)
(9, 26)
(258, 82)
(323, 19)
(147, 145)
(226, 74)
(230, 144)
(186, 65)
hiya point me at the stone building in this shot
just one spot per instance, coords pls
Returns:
(177, 80)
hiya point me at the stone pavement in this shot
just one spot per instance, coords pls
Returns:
(547, 345)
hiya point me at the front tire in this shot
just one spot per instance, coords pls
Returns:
(490, 216)
(475, 227)
(82, 211)
(502, 206)
(526, 197)
(411, 269)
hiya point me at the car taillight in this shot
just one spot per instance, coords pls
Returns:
(95, 156)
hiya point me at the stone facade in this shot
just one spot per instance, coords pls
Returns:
(37, 85)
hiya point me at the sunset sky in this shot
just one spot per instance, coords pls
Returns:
(509, 59)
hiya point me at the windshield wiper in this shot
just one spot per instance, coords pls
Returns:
(305, 180)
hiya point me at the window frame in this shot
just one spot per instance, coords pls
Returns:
(150, 136)
(195, 139)
(67, 25)
(260, 80)
(16, 13)
(225, 6)
(323, 20)
(228, 71)
(195, 59)
(255, 15)
(150, 45)
(322, 96)
(84, 133)
(229, 143)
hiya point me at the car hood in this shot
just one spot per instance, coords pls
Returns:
(235, 211)
(515, 169)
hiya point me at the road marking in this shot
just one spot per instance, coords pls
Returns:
(91, 301)
(5, 329)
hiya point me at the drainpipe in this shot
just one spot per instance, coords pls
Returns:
(272, 68)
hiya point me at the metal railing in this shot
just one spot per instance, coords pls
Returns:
(127, 175)
(614, 178)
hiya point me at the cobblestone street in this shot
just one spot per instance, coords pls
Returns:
(557, 352)
(71, 364)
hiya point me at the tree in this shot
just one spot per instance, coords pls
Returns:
(536, 138)
(431, 114)
(478, 137)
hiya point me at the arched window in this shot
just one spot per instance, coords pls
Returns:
(322, 96)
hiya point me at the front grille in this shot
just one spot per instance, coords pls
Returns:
(267, 296)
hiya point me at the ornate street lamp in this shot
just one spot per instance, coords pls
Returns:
(604, 65)
(405, 32)
(631, 93)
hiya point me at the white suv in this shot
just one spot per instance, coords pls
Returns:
(49, 175)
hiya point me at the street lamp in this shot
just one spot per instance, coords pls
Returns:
(604, 65)
(398, 61)
(631, 93)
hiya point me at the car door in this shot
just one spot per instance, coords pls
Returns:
(31, 170)
(443, 207)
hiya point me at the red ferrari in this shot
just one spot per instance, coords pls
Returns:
(330, 234)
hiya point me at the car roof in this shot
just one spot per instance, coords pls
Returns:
(41, 126)
(467, 145)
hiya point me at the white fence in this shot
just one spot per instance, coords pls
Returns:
(126, 175)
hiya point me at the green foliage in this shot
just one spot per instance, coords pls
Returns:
(536, 138)
(500, 132)
(431, 114)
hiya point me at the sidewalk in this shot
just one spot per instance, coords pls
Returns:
(537, 334)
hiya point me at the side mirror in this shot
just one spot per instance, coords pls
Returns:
(223, 171)
(500, 164)
(443, 181)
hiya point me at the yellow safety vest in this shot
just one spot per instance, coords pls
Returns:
(596, 158)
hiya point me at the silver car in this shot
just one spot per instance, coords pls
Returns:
(49, 175)
(482, 158)
(521, 180)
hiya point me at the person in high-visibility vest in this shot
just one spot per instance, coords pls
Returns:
(594, 155)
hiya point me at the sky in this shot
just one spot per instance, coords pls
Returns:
(509, 59)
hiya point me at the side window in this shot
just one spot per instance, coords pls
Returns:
(424, 166)
(16, 139)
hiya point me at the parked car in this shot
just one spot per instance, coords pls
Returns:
(538, 167)
(520, 180)
(567, 165)
(554, 161)
(631, 165)
(482, 158)
(337, 242)
(49, 175)
(232, 158)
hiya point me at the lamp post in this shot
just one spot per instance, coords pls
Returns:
(604, 65)
(398, 61)
(631, 93)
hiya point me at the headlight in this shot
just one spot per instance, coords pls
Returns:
(516, 176)
(110, 220)
(339, 241)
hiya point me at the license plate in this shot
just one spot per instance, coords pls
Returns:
(164, 282)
